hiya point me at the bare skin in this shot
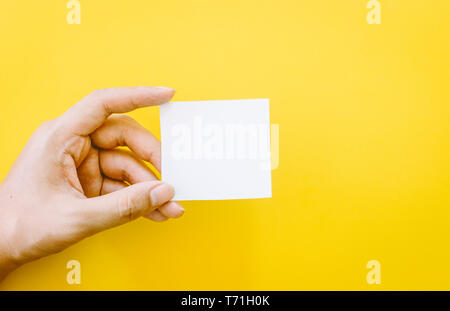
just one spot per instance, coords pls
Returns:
(71, 181)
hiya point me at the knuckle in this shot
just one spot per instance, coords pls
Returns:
(126, 209)
(44, 134)
(100, 97)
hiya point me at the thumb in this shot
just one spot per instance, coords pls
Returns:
(122, 206)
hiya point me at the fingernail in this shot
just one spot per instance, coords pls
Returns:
(180, 209)
(161, 194)
(164, 88)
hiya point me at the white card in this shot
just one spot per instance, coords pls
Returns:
(216, 150)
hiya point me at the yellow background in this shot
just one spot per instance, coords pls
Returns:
(364, 114)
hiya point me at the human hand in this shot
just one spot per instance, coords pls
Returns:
(70, 182)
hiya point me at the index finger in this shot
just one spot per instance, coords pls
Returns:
(89, 114)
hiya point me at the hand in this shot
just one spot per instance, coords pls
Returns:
(70, 182)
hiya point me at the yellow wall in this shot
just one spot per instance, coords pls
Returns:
(364, 114)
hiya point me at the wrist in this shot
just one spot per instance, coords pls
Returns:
(6, 266)
(7, 261)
